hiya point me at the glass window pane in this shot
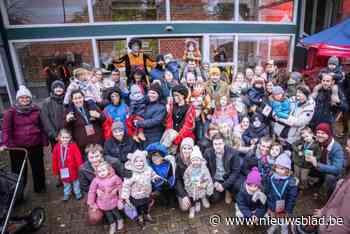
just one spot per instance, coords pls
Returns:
(61, 57)
(252, 50)
(202, 10)
(280, 51)
(47, 12)
(126, 10)
(110, 50)
(266, 10)
(221, 49)
(177, 46)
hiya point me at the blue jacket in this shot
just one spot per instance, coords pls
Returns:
(153, 123)
(247, 206)
(174, 68)
(157, 74)
(290, 194)
(254, 96)
(281, 109)
(119, 112)
(335, 161)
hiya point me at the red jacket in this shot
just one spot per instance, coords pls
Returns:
(73, 161)
(188, 126)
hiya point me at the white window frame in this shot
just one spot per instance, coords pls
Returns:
(167, 13)
(205, 46)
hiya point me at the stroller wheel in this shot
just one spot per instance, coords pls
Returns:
(36, 218)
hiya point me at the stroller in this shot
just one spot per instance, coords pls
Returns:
(11, 190)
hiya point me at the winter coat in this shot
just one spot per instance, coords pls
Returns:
(152, 124)
(87, 173)
(23, 129)
(85, 86)
(180, 171)
(290, 194)
(254, 96)
(77, 126)
(157, 74)
(281, 108)
(226, 115)
(335, 160)
(220, 89)
(298, 155)
(188, 126)
(246, 204)
(233, 165)
(255, 132)
(167, 171)
(72, 162)
(137, 107)
(120, 149)
(198, 189)
(299, 117)
(174, 68)
(325, 112)
(117, 113)
(338, 206)
(52, 116)
(104, 193)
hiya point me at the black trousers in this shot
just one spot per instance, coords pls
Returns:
(36, 160)
(141, 205)
(113, 215)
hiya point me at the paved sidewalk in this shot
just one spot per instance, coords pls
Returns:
(71, 217)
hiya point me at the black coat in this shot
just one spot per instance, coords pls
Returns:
(233, 165)
(120, 149)
(52, 116)
(179, 175)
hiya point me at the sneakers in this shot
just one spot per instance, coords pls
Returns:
(78, 196)
(228, 197)
(192, 213)
(113, 228)
(205, 203)
(141, 136)
(198, 207)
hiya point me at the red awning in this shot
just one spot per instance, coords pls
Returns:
(331, 50)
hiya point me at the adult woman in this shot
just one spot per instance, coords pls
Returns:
(22, 127)
(155, 114)
(84, 119)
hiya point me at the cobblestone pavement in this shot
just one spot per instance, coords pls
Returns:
(70, 217)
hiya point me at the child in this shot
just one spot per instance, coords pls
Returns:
(275, 151)
(164, 166)
(104, 195)
(137, 189)
(280, 104)
(137, 111)
(256, 94)
(334, 68)
(66, 160)
(225, 112)
(250, 199)
(282, 190)
(305, 147)
(198, 182)
(256, 130)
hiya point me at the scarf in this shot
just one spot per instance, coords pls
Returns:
(24, 109)
(57, 98)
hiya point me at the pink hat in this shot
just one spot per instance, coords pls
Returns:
(254, 177)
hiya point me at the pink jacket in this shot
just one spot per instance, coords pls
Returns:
(104, 193)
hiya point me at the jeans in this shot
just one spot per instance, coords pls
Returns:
(67, 188)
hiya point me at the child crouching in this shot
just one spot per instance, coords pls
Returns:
(282, 190)
(250, 199)
(104, 195)
(198, 182)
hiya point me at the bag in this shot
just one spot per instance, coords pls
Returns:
(94, 216)
(130, 211)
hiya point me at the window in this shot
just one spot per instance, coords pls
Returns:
(126, 10)
(202, 10)
(61, 57)
(256, 50)
(109, 50)
(266, 10)
(221, 49)
(46, 12)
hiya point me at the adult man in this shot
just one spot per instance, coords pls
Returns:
(226, 169)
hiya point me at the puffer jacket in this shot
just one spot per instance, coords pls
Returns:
(52, 116)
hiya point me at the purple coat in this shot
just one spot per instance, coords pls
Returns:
(23, 129)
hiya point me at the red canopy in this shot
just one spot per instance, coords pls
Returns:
(331, 50)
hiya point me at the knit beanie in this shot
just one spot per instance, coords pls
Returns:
(326, 128)
(196, 153)
(181, 89)
(187, 141)
(284, 161)
(214, 70)
(23, 91)
(118, 125)
(156, 88)
(57, 83)
(254, 177)
(333, 60)
(296, 76)
(276, 90)
(304, 89)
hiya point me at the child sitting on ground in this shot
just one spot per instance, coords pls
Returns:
(66, 160)
(137, 111)
(250, 199)
(282, 192)
(104, 195)
(137, 189)
(198, 182)
(305, 147)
